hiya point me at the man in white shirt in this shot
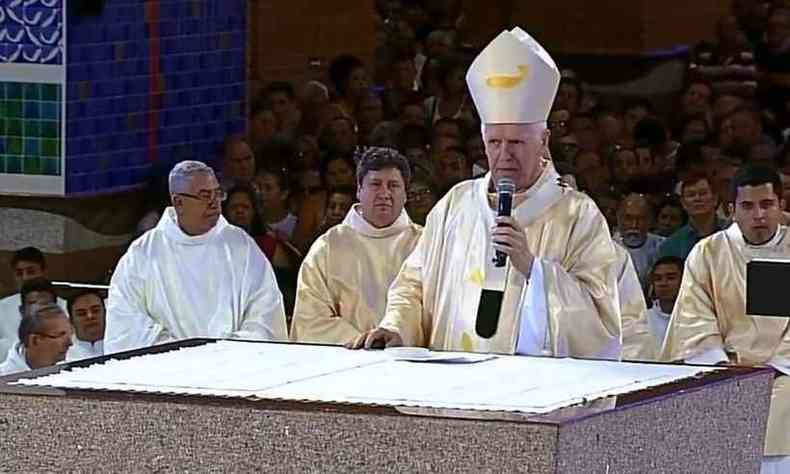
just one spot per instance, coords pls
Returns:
(45, 337)
(87, 314)
(193, 275)
(665, 284)
(27, 263)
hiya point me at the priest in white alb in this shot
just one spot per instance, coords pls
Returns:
(556, 294)
(193, 275)
(342, 287)
(709, 324)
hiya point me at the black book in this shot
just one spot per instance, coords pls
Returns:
(767, 285)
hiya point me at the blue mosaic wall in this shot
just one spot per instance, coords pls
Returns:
(147, 82)
(122, 116)
(31, 34)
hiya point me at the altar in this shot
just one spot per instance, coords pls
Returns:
(224, 405)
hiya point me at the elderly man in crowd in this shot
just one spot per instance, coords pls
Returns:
(634, 218)
(556, 294)
(343, 282)
(193, 275)
(44, 338)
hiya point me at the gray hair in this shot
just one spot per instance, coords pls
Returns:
(182, 174)
(34, 317)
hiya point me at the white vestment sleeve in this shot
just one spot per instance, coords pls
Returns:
(775, 465)
(780, 364)
(534, 315)
(264, 313)
(709, 357)
(129, 326)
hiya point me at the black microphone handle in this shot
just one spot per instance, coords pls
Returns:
(503, 209)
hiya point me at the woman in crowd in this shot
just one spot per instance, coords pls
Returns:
(274, 190)
(452, 99)
(350, 78)
(240, 209)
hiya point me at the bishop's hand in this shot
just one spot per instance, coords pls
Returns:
(378, 338)
(510, 238)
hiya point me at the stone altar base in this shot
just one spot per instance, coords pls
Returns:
(714, 424)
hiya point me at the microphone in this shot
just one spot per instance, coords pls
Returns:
(490, 304)
(505, 188)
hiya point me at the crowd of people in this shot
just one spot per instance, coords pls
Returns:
(348, 213)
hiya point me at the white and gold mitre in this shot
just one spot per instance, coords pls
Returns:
(513, 80)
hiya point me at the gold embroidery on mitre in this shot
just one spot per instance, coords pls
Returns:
(508, 81)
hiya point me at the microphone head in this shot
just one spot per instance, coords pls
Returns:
(506, 185)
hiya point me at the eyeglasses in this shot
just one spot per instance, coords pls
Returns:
(50, 336)
(557, 123)
(207, 196)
